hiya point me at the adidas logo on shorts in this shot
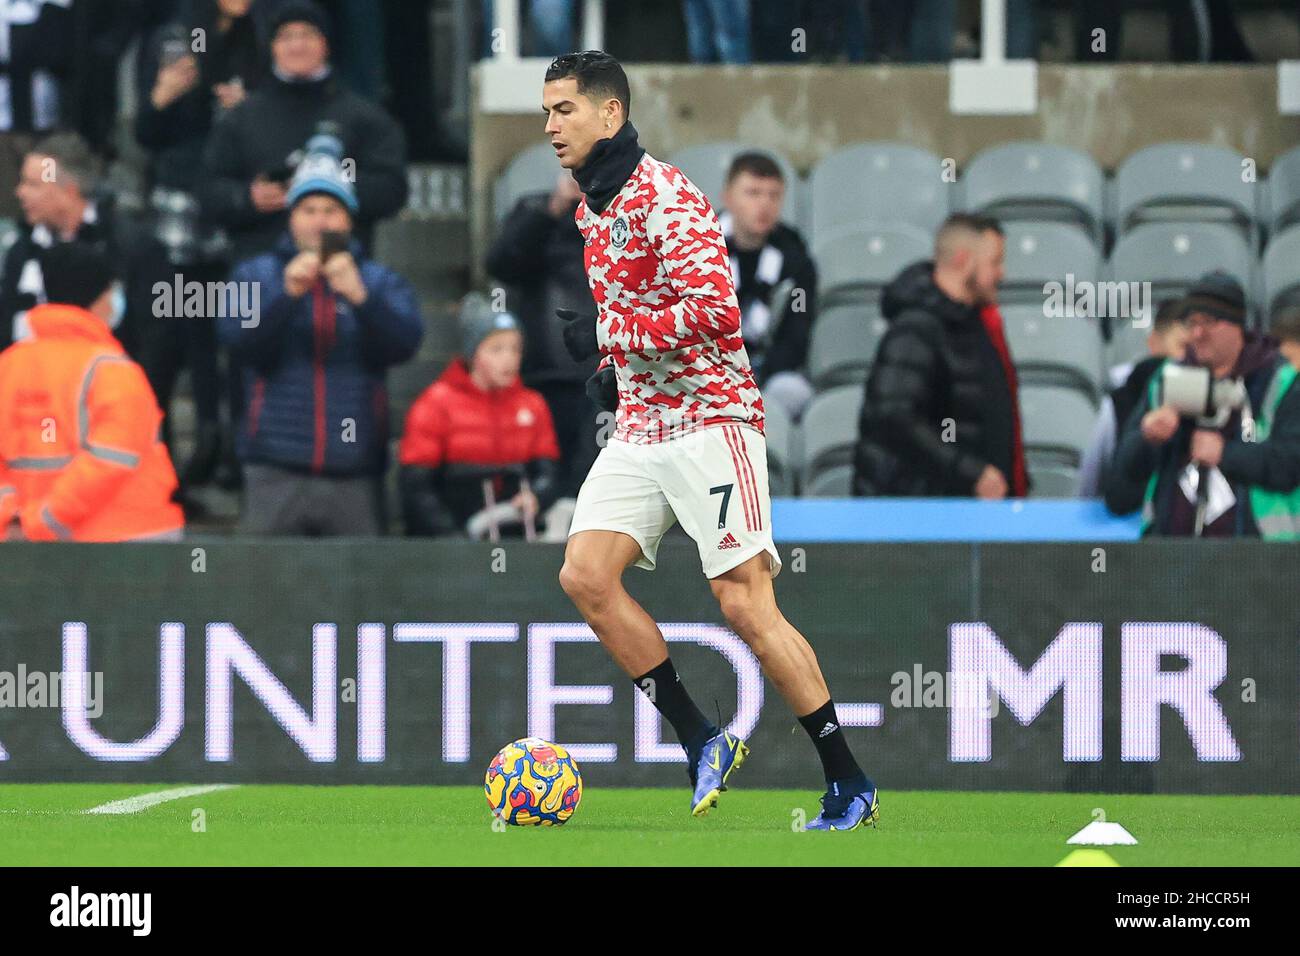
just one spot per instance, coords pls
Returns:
(728, 542)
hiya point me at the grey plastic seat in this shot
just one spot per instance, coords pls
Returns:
(1184, 182)
(1056, 420)
(1042, 252)
(878, 182)
(1281, 271)
(855, 261)
(532, 171)
(829, 432)
(706, 165)
(843, 345)
(834, 482)
(779, 430)
(1054, 350)
(1171, 256)
(1049, 478)
(1284, 190)
(1036, 181)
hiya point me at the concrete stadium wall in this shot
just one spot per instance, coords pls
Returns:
(809, 111)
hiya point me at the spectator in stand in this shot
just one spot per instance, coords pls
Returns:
(57, 191)
(940, 415)
(1167, 339)
(538, 252)
(717, 31)
(254, 148)
(181, 92)
(80, 458)
(35, 59)
(776, 280)
(314, 440)
(1253, 460)
(1286, 329)
(479, 450)
(550, 25)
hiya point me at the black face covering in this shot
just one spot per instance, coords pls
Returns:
(608, 166)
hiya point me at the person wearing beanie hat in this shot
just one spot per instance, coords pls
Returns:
(477, 324)
(303, 12)
(80, 453)
(1219, 295)
(1251, 462)
(479, 446)
(314, 437)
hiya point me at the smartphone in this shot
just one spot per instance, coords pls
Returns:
(332, 242)
(173, 50)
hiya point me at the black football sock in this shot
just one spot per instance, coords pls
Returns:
(667, 692)
(837, 760)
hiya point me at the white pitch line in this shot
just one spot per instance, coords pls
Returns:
(146, 800)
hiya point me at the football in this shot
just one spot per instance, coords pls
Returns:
(532, 782)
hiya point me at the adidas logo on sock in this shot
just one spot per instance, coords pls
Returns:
(728, 542)
(828, 729)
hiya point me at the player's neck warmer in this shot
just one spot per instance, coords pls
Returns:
(607, 168)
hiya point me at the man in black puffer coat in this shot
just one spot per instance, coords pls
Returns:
(938, 417)
(254, 149)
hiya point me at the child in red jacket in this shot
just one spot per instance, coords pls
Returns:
(479, 451)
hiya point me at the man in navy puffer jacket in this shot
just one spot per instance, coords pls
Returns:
(328, 324)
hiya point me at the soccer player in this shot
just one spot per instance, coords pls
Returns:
(688, 438)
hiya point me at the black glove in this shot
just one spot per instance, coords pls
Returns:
(602, 389)
(579, 334)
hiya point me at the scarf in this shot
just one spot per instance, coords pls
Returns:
(608, 167)
(1019, 478)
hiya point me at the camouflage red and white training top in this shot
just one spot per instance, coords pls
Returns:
(668, 320)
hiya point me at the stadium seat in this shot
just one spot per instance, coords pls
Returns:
(843, 345)
(1171, 256)
(1055, 350)
(532, 171)
(1041, 252)
(1036, 181)
(1184, 182)
(1281, 271)
(779, 430)
(1051, 478)
(829, 431)
(706, 165)
(855, 261)
(1284, 191)
(834, 482)
(878, 182)
(1056, 420)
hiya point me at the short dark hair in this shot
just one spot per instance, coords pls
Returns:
(75, 273)
(959, 224)
(756, 164)
(1286, 324)
(1168, 312)
(598, 75)
(974, 222)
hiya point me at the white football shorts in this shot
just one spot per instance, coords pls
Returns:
(712, 480)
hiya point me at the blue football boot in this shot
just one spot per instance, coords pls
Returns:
(720, 755)
(847, 808)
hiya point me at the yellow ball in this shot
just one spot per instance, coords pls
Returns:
(532, 783)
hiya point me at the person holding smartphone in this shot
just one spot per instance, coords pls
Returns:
(326, 325)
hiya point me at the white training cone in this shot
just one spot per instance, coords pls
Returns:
(1098, 833)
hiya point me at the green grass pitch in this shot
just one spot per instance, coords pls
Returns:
(45, 824)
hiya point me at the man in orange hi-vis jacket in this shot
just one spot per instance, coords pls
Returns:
(80, 457)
